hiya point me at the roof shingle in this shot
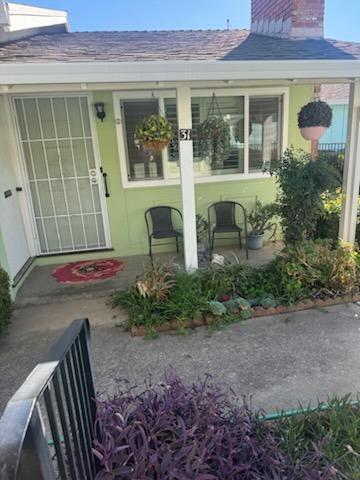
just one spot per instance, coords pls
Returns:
(171, 45)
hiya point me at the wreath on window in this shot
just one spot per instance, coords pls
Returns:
(214, 136)
(154, 133)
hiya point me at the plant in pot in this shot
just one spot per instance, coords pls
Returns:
(313, 119)
(154, 133)
(202, 232)
(214, 136)
(261, 221)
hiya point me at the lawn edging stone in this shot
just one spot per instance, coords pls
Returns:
(141, 331)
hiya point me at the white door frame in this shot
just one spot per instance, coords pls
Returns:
(31, 228)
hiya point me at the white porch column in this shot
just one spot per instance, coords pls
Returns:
(183, 95)
(351, 179)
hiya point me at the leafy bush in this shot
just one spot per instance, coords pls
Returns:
(315, 114)
(328, 224)
(312, 269)
(171, 431)
(302, 182)
(5, 300)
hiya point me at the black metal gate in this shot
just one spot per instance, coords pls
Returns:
(47, 429)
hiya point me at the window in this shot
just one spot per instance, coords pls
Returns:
(232, 110)
(141, 165)
(264, 131)
(255, 128)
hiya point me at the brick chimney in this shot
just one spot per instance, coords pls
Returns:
(295, 19)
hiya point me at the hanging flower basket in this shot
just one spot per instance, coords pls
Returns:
(313, 119)
(214, 136)
(154, 133)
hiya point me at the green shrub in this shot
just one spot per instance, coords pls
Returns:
(302, 182)
(310, 269)
(6, 306)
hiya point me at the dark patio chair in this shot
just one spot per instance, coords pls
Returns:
(225, 222)
(159, 224)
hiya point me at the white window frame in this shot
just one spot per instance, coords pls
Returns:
(34, 239)
(160, 95)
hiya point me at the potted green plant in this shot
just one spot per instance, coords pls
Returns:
(202, 232)
(313, 119)
(154, 133)
(260, 220)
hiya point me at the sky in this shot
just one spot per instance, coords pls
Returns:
(342, 16)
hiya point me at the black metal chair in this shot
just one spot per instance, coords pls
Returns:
(225, 222)
(159, 224)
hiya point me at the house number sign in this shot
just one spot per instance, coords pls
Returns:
(185, 134)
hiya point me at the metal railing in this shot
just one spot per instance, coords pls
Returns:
(47, 429)
(332, 148)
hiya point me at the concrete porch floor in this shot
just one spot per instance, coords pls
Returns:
(41, 288)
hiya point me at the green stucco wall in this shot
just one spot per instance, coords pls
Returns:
(126, 206)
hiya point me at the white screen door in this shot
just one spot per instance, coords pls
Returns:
(57, 143)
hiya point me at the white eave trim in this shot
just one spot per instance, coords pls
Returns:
(71, 72)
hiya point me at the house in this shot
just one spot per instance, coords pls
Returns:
(74, 186)
(337, 96)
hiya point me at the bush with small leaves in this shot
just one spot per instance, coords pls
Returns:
(6, 306)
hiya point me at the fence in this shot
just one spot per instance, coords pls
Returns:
(47, 429)
(332, 148)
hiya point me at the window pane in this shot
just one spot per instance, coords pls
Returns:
(141, 165)
(264, 131)
(231, 110)
(172, 157)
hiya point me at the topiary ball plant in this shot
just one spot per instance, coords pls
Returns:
(6, 306)
(154, 133)
(314, 118)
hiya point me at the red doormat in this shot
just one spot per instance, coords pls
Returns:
(87, 270)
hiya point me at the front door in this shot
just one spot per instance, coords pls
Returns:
(11, 221)
(62, 172)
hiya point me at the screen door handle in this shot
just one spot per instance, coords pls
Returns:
(104, 174)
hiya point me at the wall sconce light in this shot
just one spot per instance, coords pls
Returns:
(100, 110)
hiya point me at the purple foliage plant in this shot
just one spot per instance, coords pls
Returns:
(201, 432)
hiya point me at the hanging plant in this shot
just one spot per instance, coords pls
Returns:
(154, 133)
(214, 136)
(314, 118)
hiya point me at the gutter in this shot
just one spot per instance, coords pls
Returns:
(12, 73)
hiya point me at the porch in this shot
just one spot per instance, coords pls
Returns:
(41, 288)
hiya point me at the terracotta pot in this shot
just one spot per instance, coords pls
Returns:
(312, 133)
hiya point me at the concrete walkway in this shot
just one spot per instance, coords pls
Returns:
(278, 360)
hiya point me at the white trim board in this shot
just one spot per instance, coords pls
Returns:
(77, 72)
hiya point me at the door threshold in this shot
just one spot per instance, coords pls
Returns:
(22, 271)
(78, 252)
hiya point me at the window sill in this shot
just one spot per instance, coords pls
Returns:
(198, 180)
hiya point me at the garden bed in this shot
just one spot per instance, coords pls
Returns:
(203, 431)
(142, 331)
(312, 274)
